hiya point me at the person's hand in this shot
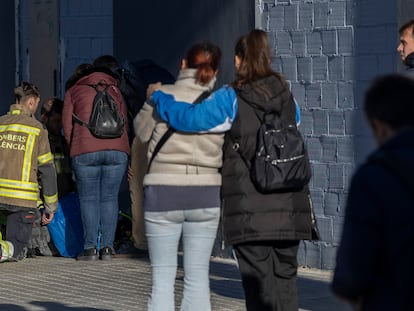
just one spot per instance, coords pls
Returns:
(130, 173)
(152, 88)
(47, 218)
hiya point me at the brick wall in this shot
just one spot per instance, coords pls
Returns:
(86, 32)
(316, 44)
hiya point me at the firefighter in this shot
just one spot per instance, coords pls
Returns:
(26, 164)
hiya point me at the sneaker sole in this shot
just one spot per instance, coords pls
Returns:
(87, 258)
(105, 257)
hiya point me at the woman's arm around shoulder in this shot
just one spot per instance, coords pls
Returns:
(214, 114)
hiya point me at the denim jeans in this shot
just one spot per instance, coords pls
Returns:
(98, 178)
(163, 229)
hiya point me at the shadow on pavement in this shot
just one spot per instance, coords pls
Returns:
(48, 306)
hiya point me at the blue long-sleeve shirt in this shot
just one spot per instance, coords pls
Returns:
(214, 114)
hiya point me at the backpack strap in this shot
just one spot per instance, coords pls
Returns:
(171, 130)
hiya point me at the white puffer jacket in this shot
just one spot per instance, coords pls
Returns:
(185, 159)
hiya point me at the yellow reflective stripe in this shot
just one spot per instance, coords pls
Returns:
(19, 194)
(29, 130)
(16, 111)
(32, 133)
(44, 158)
(49, 199)
(27, 162)
(58, 156)
(8, 183)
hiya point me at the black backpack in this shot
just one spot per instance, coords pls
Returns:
(281, 161)
(105, 121)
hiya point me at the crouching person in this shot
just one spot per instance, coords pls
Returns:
(26, 164)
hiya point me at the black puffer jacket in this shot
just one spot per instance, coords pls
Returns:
(249, 215)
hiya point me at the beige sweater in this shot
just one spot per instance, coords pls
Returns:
(185, 159)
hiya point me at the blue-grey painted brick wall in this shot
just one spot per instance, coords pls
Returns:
(336, 70)
(276, 18)
(289, 68)
(345, 41)
(349, 65)
(329, 42)
(338, 51)
(313, 97)
(313, 254)
(331, 204)
(336, 123)
(336, 176)
(320, 68)
(337, 13)
(304, 69)
(337, 230)
(325, 228)
(291, 17)
(321, 12)
(315, 50)
(298, 43)
(314, 148)
(345, 150)
(299, 92)
(283, 43)
(328, 257)
(305, 16)
(329, 95)
(319, 174)
(318, 201)
(314, 42)
(320, 126)
(306, 124)
(86, 31)
(329, 145)
(345, 95)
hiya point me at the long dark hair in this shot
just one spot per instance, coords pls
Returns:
(254, 52)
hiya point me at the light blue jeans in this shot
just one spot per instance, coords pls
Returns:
(163, 229)
(98, 178)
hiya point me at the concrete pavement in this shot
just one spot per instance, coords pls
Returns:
(64, 284)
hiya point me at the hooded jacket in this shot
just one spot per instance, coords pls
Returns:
(248, 215)
(25, 155)
(79, 100)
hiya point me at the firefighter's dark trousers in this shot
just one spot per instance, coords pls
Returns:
(19, 230)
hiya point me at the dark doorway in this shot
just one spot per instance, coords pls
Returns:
(164, 30)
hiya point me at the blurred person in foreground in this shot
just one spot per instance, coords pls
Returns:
(374, 268)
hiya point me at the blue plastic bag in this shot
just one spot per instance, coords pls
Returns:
(66, 228)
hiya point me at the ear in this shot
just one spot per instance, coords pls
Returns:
(237, 61)
(183, 64)
(382, 131)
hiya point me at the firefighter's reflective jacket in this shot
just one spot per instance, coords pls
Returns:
(25, 161)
